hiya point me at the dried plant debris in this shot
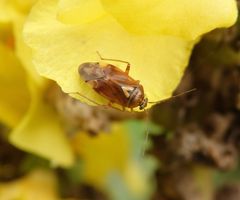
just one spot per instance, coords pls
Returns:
(178, 184)
(228, 192)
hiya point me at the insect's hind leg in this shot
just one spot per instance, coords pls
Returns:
(109, 105)
(83, 96)
(117, 60)
(127, 68)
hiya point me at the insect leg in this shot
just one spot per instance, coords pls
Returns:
(85, 98)
(172, 97)
(94, 102)
(117, 60)
(127, 68)
(146, 133)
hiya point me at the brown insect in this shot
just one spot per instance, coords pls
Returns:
(114, 84)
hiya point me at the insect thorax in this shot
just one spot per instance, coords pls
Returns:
(134, 95)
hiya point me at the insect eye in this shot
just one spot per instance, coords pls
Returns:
(141, 107)
(143, 104)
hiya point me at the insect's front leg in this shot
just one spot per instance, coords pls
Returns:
(127, 68)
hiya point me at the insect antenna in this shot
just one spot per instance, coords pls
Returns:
(78, 93)
(148, 118)
(110, 59)
(146, 133)
(174, 96)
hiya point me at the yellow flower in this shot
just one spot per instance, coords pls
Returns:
(35, 125)
(155, 36)
(40, 131)
(12, 84)
(38, 185)
(186, 18)
(114, 162)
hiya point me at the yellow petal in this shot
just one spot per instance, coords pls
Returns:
(119, 161)
(101, 151)
(157, 61)
(185, 18)
(15, 96)
(5, 11)
(40, 130)
(16, 11)
(37, 185)
(68, 11)
(23, 52)
(41, 133)
(11, 7)
(11, 31)
(22, 6)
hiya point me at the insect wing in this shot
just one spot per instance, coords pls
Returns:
(111, 91)
(117, 75)
(116, 86)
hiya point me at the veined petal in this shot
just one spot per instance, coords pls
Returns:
(157, 61)
(185, 18)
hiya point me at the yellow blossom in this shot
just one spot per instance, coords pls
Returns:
(185, 18)
(13, 84)
(35, 125)
(41, 132)
(155, 36)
